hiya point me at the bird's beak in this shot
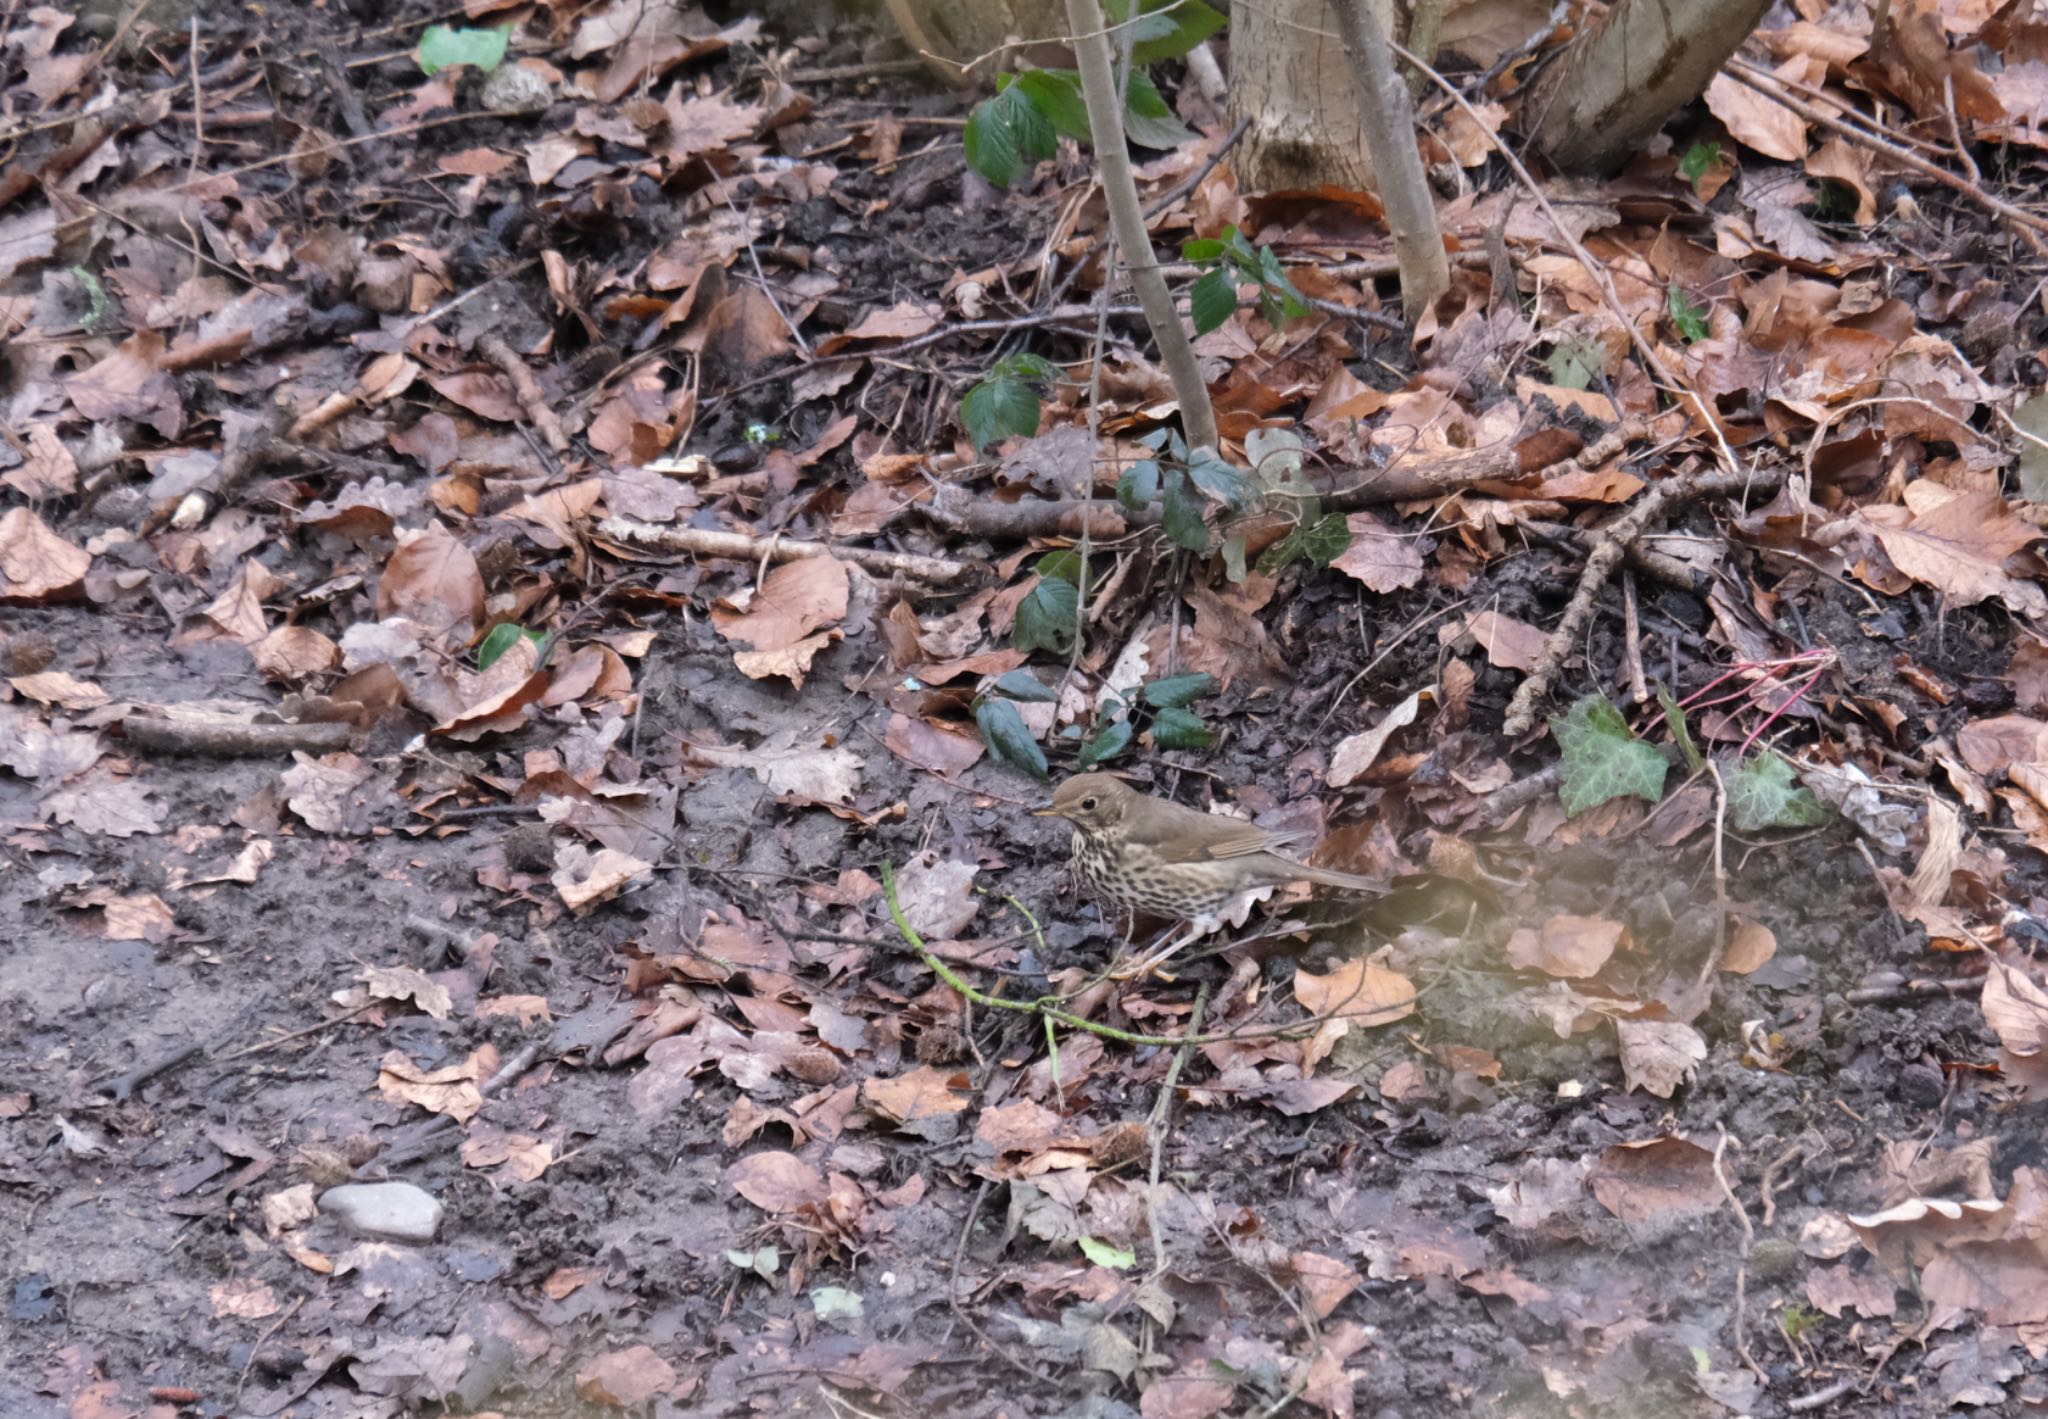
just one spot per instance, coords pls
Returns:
(1046, 810)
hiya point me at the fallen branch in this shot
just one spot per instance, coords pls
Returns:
(739, 546)
(228, 737)
(1612, 544)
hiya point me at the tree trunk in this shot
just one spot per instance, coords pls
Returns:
(1290, 75)
(1628, 72)
(950, 35)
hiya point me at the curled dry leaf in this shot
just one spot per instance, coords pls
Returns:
(433, 581)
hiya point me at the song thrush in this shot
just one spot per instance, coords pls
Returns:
(1153, 856)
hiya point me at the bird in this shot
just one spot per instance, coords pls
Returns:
(1157, 857)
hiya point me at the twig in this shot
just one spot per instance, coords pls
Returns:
(1753, 78)
(1127, 224)
(532, 399)
(1821, 1398)
(1632, 632)
(1159, 1123)
(261, 1341)
(1742, 1263)
(122, 1087)
(274, 1041)
(953, 1289)
(739, 546)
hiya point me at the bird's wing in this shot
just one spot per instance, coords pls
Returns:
(1192, 836)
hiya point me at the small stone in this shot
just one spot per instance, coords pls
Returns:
(1922, 1085)
(513, 88)
(1774, 1259)
(396, 1210)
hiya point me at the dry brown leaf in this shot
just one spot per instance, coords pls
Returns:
(777, 1182)
(1572, 947)
(923, 1093)
(1382, 558)
(1758, 122)
(36, 565)
(452, 1091)
(1659, 1055)
(432, 580)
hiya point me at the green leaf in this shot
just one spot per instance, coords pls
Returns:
(502, 638)
(1602, 760)
(1698, 158)
(1045, 618)
(1103, 1254)
(1023, 685)
(1319, 541)
(2032, 416)
(1763, 794)
(836, 1303)
(1065, 564)
(1004, 731)
(999, 407)
(1179, 691)
(1188, 23)
(1681, 735)
(1213, 300)
(1138, 485)
(1025, 366)
(1215, 475)
(1110, 741)
(1149, 120)
(1180, 729)
(1201, 250)
(1326, 539)
(761, 1262)
(1690, 319)
(1184, 513)
(1233, 550)
(445, 48)
(1006, 134)
(1056, 95)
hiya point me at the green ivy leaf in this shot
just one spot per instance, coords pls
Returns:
(1045, 618)
(1179, 691)
(1003, 730)
(1215, 475)
(1180, 729)
(1691, 320)
(1326, 539)
(1213, 300)
(502, 638)
(1183, 513)
(1056, 94)
(1201, 250)
(1110, 741)
(1602, 760)
(445, 48)
(1023, 685)
(999, 407)
(1763, 794)
(1103, 1254)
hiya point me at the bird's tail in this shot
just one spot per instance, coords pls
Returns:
(1344, 881)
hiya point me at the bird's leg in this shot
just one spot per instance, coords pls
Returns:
(1173, 943)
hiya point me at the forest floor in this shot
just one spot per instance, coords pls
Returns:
(393, 791)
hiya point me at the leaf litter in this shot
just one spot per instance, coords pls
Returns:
(579, 929)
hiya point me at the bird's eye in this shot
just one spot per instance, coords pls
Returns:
(1087, 805)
